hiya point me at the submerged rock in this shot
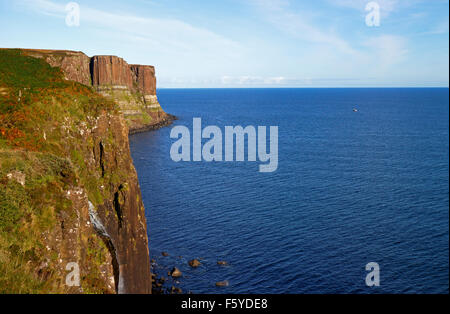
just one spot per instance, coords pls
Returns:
(175, 273)
(165, 254)
(222, 283)
(176, 290)
(194, 263)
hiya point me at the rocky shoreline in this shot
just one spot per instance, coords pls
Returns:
(168, 272)
(167, 121)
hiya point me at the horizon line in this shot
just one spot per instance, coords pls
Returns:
(311, 87)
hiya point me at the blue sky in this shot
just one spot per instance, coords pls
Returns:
(248, 43)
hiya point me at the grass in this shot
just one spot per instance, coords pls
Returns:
(35, 97)
(27, 72)
(42, 117)
(25, 213)
(16, 277)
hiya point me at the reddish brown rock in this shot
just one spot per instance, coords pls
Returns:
(114, 71)
(133, 87)
(122, 212)
(74, 64)
(100, 70)
(145, 78)
(116, 223)
(111, 71)
(194, 263)
(222, 283)
(175, 273)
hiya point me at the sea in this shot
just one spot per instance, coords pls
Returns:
(362, 177)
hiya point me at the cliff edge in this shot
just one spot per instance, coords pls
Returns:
(72, 218)
(132, 87)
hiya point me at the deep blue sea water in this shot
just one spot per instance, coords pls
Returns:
(351, 188)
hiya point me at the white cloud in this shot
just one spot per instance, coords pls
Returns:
(386, 6)
(299, 25)
(186, 55)
(333, 51)
(235, 81)
(388, 49)
(254, 80)
(166, 34)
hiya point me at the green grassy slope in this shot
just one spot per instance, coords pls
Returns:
(41, 116)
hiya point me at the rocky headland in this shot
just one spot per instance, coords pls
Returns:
(131, 86)
(69, 192)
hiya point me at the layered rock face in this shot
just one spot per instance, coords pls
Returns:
(133, 87)
(144, 76)
(122, 214)
(118, 220)
(110, 71)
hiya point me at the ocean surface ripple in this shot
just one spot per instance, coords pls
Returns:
(351, 188)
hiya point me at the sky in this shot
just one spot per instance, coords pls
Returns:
(248, 43)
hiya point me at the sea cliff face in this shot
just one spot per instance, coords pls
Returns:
(132, 87)
(69, 193)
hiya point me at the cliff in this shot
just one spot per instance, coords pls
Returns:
(69, 193)
(133, 87)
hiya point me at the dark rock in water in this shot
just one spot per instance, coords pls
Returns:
(194, 263)
(222, 263)
(165, 254)
(222, 283)
(175, 273)
(176, 290)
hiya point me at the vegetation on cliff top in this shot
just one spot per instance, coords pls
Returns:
(42, 154)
